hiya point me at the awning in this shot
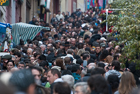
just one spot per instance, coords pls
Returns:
(3, 27)
(25, 31)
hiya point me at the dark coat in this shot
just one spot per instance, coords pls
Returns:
(136, 72)
(50, 57)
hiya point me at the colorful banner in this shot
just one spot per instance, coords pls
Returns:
(4, 2)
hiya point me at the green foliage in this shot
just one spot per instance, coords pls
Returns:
(127, 22)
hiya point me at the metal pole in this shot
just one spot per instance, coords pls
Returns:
(106, 19)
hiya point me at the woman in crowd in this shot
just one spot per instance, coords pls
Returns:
(10, 65)
(127, 83)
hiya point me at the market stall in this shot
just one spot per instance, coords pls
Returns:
(25, 31)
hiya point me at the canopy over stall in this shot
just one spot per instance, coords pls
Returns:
(25, 31)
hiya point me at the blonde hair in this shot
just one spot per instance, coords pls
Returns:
(127, 83)
(109, 59)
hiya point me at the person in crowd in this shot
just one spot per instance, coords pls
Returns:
(113, 81)
(21, 65)
(59, 16)
(61, 88)
(53, 76)
(127, 83)
(81, 88)
(34, 20)
(115, 69)
(50, 53)
(10, 65)
(23, 81)
(54, 19)
(98, 85)
(70, 80)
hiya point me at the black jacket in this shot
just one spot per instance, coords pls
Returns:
(50, 57)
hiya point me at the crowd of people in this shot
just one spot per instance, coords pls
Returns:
(76, 56)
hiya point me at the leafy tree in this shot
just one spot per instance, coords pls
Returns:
(127, 23)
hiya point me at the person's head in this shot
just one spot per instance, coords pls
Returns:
(116, 65)
(98, 49)
(73, 41)
(111, 51)
(52, 75)
(43, 47)
(32, 59)
(98, 70)
(50, 50)
(50, 40)
(10, 65)
(54, 15)
(98, 83)
(103, 55)
(21, 65)
(76, 69)
(35, 44)
(34, 19)
(49, 46)
(79, 61)
(81, 88)
(17, 57)
(117, 49)
(60, 63)
(86, 57)
(4, 89)
(113, 81)
(116, 57)
(101, 64)
(59, 12)
(67, 60)
(68, 79)
(29, 51)
(127, 83)
(36, 71)
(70, 51)
(61, 88)
(23, 81)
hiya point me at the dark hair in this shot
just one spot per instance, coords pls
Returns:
(62, 88)
(98, 70)
(59, 62)
(103, 55)
(35, 42)
(98, 84)
(85, 56)
(50, 49)
(66, 72)
(79, 61)
(36, 67)
(116, 64)
(55, 71)
(67, 60)
(113, 80)
(110, 50)
(21, 62)
(18, 54)
(11, 61)
(87, 49)
(43, 64)
(101, 64)
(115, 57)
(75, 67)
(42, 57)
(80, 45)
(22, 79)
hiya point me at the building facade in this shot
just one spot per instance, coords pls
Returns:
(24, 10)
